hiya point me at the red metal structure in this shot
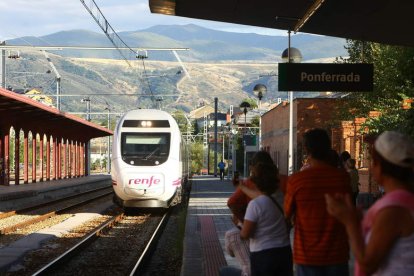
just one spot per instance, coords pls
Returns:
(54, 143)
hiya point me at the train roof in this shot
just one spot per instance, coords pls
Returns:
(153, 114)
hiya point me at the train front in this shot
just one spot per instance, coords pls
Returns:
(146, 168)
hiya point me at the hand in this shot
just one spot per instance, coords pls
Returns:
(341, 207)
(236, 179)
(235, 220)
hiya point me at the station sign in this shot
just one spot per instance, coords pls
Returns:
(341, 77)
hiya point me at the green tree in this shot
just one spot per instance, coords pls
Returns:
(255, 121)
(393, 83)
(252, 102)
(196, 129)
(196, 152)
(181, 120)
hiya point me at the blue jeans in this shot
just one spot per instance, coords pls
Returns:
(322, 270)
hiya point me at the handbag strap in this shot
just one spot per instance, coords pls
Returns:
(277, 204)
(288, 224)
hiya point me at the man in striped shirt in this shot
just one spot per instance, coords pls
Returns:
(320, 242)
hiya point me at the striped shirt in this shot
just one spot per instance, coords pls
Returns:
(236, 247)
(319, 239)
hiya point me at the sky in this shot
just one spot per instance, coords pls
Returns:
(42, 17)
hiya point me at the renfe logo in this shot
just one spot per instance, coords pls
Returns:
(145, 181)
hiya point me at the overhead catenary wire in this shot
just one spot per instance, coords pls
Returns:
(107, 28)
(117, 42)
(115, 38)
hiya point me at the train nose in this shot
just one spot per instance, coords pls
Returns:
(144, 184)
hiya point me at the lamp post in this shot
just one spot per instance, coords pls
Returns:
(223, 134)
(233, 132)
(260, 90)
(87, 100)
(291, 55)
(245, 106)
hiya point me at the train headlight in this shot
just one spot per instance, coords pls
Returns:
(146, 123)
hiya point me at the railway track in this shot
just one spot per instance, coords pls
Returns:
(120, 246)
(18, 219)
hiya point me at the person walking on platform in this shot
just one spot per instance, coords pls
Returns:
(264, 225)
(238, 248)
(320, 245)
(383, 242)
(221, 165)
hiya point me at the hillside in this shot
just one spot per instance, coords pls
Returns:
(223, 65)
(129, 88)
(204, 44)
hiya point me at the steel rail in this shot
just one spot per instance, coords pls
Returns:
(37, 206)
(151, 246)
(56, 263)
(48, 215)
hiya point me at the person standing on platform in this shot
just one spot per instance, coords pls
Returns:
(383, 243)
(265, 227)
(221, 165)
(238, 201)
(238, 248)
(353, 173)
(343, 157)
(320, 245)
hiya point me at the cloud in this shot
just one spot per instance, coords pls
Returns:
(41, 17)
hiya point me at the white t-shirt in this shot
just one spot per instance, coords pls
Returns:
(270, 224)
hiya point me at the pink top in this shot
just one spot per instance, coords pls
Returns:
(394, 262)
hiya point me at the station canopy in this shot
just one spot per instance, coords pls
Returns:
(22, 112)
(382, 21)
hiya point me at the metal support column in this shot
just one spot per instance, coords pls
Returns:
(215, 136)
(3, 66)
(205, 143)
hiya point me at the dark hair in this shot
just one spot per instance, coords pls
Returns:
(261, 157)
(317, 143)
(405, 175)
(266, 177)
(343, 157)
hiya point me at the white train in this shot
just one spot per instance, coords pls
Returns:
(149, 160)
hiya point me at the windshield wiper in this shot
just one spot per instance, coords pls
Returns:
(151, 154)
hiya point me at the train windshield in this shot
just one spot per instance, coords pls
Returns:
(145, 149)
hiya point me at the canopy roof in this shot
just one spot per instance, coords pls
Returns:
(382, 21)
(22, 112)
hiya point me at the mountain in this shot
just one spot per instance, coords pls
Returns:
(205, 44)
(221, 64)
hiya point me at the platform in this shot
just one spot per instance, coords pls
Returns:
(208, 218)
